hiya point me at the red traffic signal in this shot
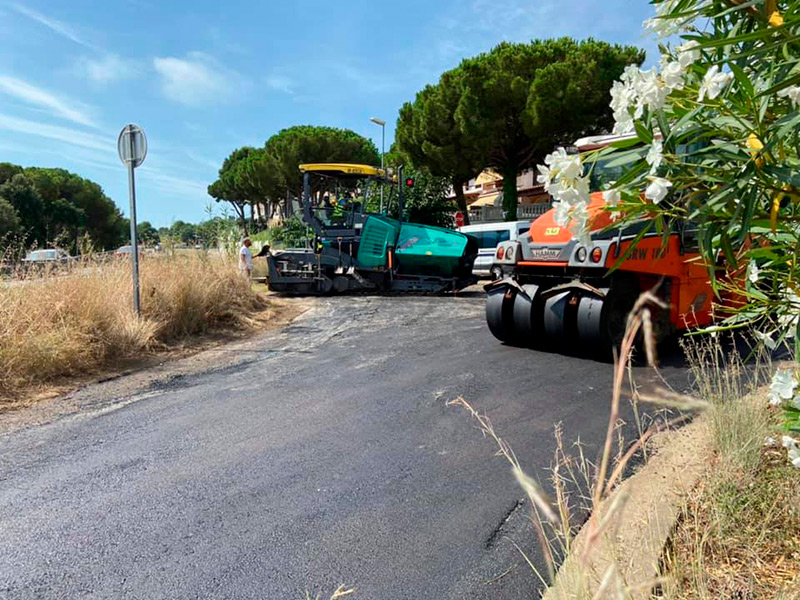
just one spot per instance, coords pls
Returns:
(409, 182)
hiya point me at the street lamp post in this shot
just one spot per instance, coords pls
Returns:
(382, 124)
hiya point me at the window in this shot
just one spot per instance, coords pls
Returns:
(490, 239)
(601, 175)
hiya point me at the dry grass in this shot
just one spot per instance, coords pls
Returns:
(739, 532)
(340, 592)
(61, 325)
(739, 537)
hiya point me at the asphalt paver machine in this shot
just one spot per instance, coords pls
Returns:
(351, 249)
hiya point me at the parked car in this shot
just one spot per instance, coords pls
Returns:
(126, 251)
(489, 235)
(50, 260)
(47, 257)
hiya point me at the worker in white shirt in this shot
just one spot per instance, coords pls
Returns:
(246, 258)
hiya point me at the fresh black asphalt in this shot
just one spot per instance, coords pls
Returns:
(326, 455)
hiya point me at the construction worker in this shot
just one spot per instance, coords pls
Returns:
(246, 258)
(339, 208)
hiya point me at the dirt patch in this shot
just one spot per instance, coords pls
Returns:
(219, 349)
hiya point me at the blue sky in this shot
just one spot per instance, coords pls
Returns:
(205, 77)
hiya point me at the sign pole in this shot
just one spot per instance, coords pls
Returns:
(134, 241)
(132, 149)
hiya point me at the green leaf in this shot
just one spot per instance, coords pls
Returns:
(788, 82)
(742, 79)
(783, 174)
(626, 158)
(625, 255)
(727, 249)
(643, 132)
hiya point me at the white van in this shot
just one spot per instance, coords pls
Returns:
(489, 235)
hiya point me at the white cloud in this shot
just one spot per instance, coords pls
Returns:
(173, 184)
(60, 134)
(197, 79)
(60, 28)
(36, 96)
(107, 69)
(281, 84)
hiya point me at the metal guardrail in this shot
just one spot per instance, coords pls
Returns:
(489, 214)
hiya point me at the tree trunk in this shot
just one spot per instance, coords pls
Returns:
(461, 200)
(239, 209)
(509, 172)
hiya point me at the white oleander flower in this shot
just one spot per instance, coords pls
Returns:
(623, 123)
(766, 339)
(793, 450)
(790, 316)
(753, 272)
(650, 91)
(658, 189)
(655, 156)
(611, 197)
(688, 54)
(673, 74)
(559, 166)
(782, 387)
(793, 93)
(714, 83)
(623, 96)
(576, 217)
(663, 26)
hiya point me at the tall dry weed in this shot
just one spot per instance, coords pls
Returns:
(60, 324)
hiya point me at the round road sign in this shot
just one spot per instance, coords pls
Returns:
(132, 145)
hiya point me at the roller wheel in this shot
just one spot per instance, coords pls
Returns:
(619, 303)
(528, 323)
(591, 322)
(556, 319)
(340, 284)
(325, 285)
(500, 313)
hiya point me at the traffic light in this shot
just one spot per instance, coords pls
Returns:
(409, 182)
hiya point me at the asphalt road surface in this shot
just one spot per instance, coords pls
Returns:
(324, 455)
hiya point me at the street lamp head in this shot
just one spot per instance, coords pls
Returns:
(378, 121)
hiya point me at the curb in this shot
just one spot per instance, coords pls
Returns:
(636, 535)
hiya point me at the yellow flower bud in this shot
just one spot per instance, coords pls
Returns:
(773, 216)
(755, 144)
(776, 19)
